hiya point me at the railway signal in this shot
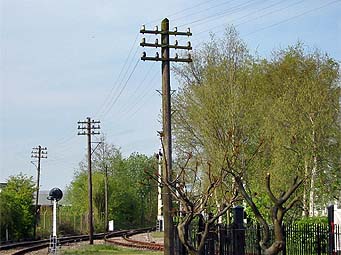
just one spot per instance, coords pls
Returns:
(55, 195)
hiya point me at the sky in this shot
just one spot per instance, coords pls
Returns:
(63, 61)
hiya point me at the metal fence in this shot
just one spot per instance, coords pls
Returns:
(301, 239)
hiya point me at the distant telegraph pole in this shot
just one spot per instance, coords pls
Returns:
(166, 113)
(89, 128)
(39, 153)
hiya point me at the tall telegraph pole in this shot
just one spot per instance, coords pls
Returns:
(89, 128)
(39, 153)
(166, 114)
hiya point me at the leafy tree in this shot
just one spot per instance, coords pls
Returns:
(252, 117)
(303, 120)
(131, 194)
(133, 199)
(16, 207)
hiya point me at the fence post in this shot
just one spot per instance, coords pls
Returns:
(238, 230)
(259, 249)
(331, 246)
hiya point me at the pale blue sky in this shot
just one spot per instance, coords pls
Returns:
(64, 60)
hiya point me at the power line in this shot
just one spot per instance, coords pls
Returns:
(137, 89)
(119, 79)
(121, 91)
(269, 13)
(249, 14)
(140, 101)
(181, 11)
(220, 13)
(201, 11)
(293, 17)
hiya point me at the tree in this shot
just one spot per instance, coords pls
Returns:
(304, 119)
(131, 195)
(251, 117)
(16, 207)
(195, 188)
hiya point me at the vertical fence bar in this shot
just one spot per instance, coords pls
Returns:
(331, 246)
(337, 239)
(259, 249)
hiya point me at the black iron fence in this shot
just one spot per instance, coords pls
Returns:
(301, 239)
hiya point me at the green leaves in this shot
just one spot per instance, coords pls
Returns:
(131, 193)
(253, 116)
(16, 207)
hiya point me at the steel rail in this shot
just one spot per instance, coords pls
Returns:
(41, 244)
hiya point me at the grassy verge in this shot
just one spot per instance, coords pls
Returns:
(157, 234)
(103, 249)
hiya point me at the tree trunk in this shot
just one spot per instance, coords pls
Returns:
(305, 199)
(279, 243)
(275, 248)
(313, 177)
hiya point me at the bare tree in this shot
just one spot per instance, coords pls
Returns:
(194, 188)
(281, 205)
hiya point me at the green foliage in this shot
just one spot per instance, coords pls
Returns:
(16, 208)
(131, 193)
(134, 194)
(312, 220)
(256, 116)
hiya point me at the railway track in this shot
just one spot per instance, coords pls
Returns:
(128, 242)
(29, 246)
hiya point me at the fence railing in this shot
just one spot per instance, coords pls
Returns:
(301, 239)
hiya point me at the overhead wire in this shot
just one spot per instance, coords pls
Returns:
(293, 17)
(266, 14)
(140, 101)
(201, 11)
(122, 89)
(182, 11)
(111, 99)
(108, 101)
(137, 89)
(220, 13)
(247, 15)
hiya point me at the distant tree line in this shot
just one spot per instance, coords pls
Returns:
(132, 197)
(16, 208)
(131, 192)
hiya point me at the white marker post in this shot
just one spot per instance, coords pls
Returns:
(159, 197)
(53, 239)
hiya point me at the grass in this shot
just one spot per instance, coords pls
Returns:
(103, 249)
(157, 234)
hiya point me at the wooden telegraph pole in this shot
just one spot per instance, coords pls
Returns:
(89, 126)
(166, 114)
(39, 153)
